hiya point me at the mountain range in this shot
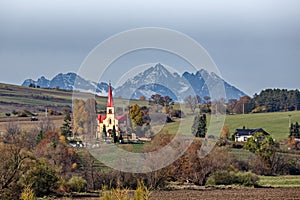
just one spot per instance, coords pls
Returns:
(156, 79)
(67, 82)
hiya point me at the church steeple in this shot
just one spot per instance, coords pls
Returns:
(110, 102)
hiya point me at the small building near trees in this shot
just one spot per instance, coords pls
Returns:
(241, 135)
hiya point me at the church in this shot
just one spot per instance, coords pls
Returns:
(110, 119)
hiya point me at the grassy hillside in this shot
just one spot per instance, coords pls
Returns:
(277, 124)
(19, 98)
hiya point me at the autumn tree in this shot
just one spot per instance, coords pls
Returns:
(142, 98)
(84, 114)
(231, 104)
(41, 177)
(136, 115)
(261, 145)
(88, 168)
(80, 117)
(192, 168)
(56, 151)
(91, 110)
(244, 105)
(166, 100)
(225, 132)
(15, 161)
(157, 178)
(156, 99)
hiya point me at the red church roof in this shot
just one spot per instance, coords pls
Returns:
(110, 102)
(121, 119)
(101, 118)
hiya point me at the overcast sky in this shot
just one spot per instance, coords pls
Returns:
(255, 43)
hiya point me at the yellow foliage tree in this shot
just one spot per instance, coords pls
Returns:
(225, 132)
(80, 116)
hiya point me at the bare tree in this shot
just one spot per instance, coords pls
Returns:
(46, 125)
(191, 102)
(13, 129)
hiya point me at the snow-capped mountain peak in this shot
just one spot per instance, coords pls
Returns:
(158, 79)
(154, 80)
(69, 81)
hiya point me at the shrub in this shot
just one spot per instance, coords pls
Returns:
(25, 113)
(233, 178)
(77, 184)
(221, 178)
(247, 178)
(142, 192)
(14, 112)
(22, 114)
(115, 194)
(177, 113)
(27, 194)
(42, 178)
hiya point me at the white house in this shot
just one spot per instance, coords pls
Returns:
(241, 135)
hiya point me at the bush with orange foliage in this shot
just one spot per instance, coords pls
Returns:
(56, 152)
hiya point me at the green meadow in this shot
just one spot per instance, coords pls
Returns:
(280, 181)
(277, 123)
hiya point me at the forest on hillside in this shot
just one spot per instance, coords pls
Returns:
(269, 100)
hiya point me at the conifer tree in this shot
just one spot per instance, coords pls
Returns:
(114, 134)
(199, 126)
(66, 128)
(104, 133)
(294, 130)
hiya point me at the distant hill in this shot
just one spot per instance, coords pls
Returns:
(156, 79)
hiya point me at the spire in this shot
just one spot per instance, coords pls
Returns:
(110, 102)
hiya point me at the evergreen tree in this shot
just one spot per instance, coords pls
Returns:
(40, 136)
(66, 128)
(294, 130)
(104, 133)
(114, 134)
(199, 126)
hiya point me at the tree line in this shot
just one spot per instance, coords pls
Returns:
(269, 100)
